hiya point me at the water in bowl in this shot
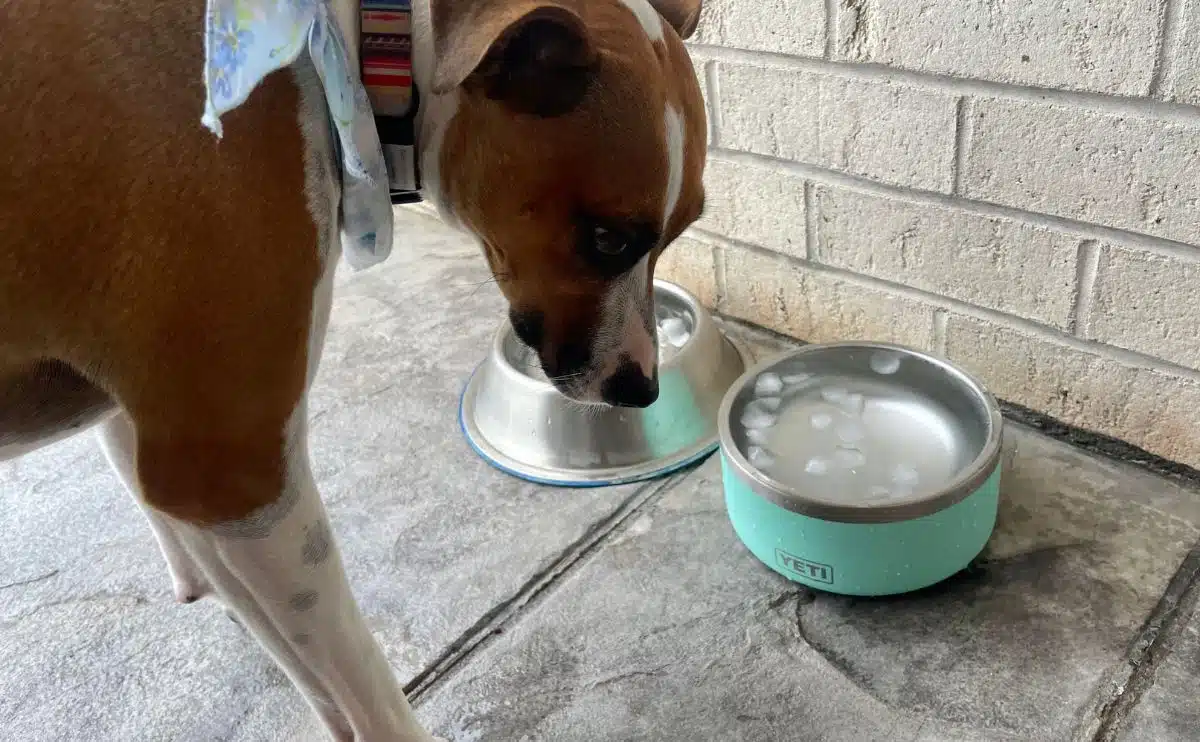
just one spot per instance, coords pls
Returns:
(855, 439)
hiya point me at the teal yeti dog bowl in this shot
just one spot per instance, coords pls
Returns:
(861, 468)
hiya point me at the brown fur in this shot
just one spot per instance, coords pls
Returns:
(129, 250)
(172, 273)
(596, 158)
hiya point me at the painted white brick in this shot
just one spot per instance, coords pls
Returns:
(690, 264)
(794, 27)
(756, 205)
(885, 131)
(1148, 408)
(995, 263)
(1148, 303)
(1106, 47)
(770, 111)
(699, 65)
(1182, 82)
(817, 306)
(1119, 171)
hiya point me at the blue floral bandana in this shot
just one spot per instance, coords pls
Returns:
(246, 40)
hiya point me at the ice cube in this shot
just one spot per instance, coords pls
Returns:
(816, 466)
(759, 457)
(757, 436)
(905, 476)
(879, 492)
(885, 362)
(821, 420)
(851, 458)
(768, 384)
(756, 416)
(795, 379)
(834, 395)
(674, 331)
(770, 404)
(851, 431)
(852, 404)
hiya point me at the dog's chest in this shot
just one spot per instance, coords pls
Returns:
(44, 402)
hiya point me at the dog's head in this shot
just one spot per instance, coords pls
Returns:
(571, 140)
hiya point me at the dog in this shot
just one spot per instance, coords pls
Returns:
(171, 289)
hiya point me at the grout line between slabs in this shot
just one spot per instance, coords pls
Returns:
(537, 588)
(1152, 645)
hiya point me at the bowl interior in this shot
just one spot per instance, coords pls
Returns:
(519, 421)
(675, 319)
(860, 425)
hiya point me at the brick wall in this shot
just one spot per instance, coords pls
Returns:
(1013, 185)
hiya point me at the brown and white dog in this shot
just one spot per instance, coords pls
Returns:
(173, 288)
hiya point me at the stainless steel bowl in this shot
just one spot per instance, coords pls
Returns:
(517, 421)
(917, 416)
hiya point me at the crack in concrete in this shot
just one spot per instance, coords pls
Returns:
(622, 677)
(835, 660)
(138, 601)
(31, 580)
(496, 621)
(1152, 645)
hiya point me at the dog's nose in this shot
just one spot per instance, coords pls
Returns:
(629, 387)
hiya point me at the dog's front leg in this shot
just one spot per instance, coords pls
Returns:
(280, 572)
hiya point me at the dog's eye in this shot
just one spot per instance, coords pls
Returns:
(609, 243)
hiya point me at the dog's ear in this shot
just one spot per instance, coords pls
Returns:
(683, 15)
(535, 57)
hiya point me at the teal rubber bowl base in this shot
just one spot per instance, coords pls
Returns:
(863, 559)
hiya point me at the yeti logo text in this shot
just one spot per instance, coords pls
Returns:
(804, 568)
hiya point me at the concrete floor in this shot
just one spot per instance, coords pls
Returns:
(523, 613)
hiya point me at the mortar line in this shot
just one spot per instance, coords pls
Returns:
(811, 252)
(1027, 326)
(941, 321)
(1087, 265)
(964, 110)
(859, 184)
(537, 588)
(1150, 648)
(831, 17)
(1168, 43)
(719, 268)
(1126, 105)
(712, 81)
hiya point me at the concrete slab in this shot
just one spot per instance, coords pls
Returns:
(664, 628)
(92, 646)
(1170, 710)
(673, 632)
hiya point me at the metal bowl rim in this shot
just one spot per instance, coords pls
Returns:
(698, 311)
(612, 476)
(972, 477)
